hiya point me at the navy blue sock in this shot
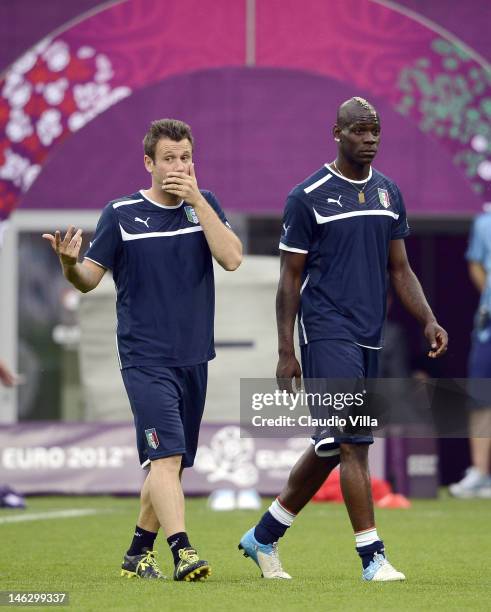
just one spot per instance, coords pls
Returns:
(366, 552)
(176, 542)
(269, 530)
(142, 540)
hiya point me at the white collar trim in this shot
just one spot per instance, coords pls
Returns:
(161, 205)
(347, 179)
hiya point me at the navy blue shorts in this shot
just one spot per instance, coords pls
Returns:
(337, 359)
(167, 406)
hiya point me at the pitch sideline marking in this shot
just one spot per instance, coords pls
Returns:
(53, 514)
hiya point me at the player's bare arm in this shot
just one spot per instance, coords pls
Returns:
(478, 275)
(224, 245)
(7, 377)
(409, 290)
(83, 276)
(287, 304)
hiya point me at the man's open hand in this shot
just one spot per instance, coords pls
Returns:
(67, 249)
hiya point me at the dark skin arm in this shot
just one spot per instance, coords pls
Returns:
(409, 291)
(287, 305)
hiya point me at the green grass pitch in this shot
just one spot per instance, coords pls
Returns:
(443, 546)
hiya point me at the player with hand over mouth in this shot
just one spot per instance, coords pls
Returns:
(159, 243)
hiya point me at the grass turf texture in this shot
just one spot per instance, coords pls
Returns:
(443, 547)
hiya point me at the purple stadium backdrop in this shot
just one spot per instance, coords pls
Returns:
(94, 458)
(260, 94)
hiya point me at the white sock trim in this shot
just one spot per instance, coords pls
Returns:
(281, 514)
(366, 537)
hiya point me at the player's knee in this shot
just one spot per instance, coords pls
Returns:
(167, 464)
(354, 452)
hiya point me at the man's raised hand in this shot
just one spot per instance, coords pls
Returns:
(183, 185)
(67, 249)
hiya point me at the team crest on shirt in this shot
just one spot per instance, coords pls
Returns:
(191, 214)
(152, 438)
(383, 196)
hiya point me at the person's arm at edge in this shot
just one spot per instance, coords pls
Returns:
(478, 275)
(409, 291)
(7, 377)
(287, 305)
(84, 276)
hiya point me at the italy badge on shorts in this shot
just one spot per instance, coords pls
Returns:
(152, 438)
(191, 214)
(383, 196)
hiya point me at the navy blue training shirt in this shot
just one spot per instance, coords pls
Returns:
(163, 271)
(344, 287)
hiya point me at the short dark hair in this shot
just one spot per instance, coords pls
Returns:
(348, 110)
(173, 129)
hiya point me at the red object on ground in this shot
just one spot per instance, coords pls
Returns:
(393, 500)
(381, 492)
(330, 490)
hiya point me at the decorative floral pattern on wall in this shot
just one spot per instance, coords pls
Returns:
(449, 96)
(66, 81)
(49, 92)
